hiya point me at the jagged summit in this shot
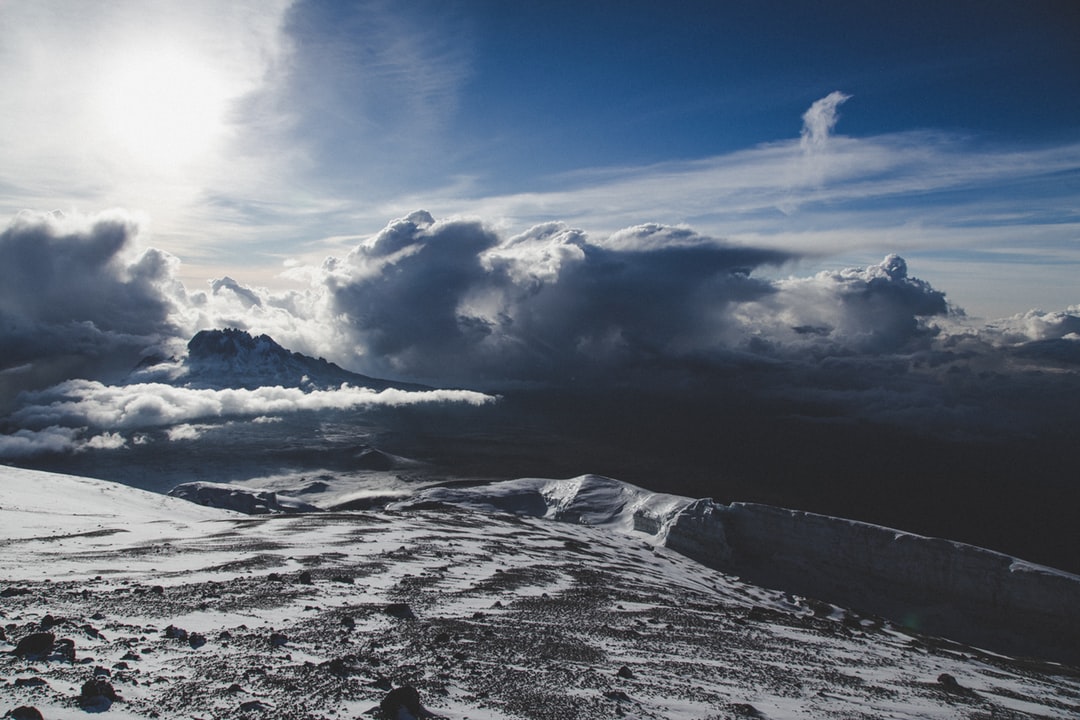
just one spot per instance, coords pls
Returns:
(233, 358)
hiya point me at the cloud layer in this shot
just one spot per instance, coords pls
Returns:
(78, 415)
(650, 308)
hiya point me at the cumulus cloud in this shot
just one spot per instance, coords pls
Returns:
(874, 309)
(426, 298)
(77, 291)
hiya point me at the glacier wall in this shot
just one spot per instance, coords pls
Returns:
(935, 586)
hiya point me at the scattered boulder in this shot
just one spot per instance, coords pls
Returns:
(196, 640)
(65, 648)
(97, 695)
(91, 631)
(400, 610)
(30, 682)
(304, 578)
(25, 712)
(342, 666)
(35, 646)
(253, 706)
(625, 673)
(14, 591)
(175, 633)
(403, 703)
(949, 684)
(278, 639)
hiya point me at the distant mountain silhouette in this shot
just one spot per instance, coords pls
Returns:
(232, 358)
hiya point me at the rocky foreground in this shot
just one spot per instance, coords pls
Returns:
(135, 605)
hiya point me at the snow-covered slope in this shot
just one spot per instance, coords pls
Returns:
(943, 587)
(146, 606)
(232, 358)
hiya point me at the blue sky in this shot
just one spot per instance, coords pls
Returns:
(247, 136)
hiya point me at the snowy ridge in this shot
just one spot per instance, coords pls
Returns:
(245, 500)
(585, 500)
(939, 586)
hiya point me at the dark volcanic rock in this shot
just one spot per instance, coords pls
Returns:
(403, 702)
(97, 695)
(35, 646)
(234, 359)
(25, 712)
(30, 682)
(400, 610)
(175, 633)
(65, 647)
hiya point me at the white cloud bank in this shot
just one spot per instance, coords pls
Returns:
(148, 405)
(79, 415)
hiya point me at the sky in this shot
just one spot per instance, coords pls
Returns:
(248, 138)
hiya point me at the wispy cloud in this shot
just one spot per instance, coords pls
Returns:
(820, 120)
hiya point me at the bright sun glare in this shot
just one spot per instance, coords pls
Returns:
(162, 108)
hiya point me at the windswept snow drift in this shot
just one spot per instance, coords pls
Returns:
(942, 587)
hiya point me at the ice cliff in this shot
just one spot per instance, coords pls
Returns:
(940, 587)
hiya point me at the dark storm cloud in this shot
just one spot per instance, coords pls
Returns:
(429, 298)
(74, 295)
(665, 311)
(57, 272)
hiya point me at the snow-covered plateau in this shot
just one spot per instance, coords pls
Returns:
(529, 598)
